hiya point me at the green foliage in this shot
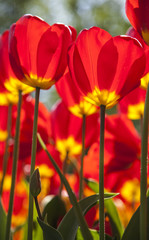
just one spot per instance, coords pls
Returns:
(111, 211)
(132, 230)
(49, 232)
(54, 210)
(3, 219)
(94, 233)
(37, 231)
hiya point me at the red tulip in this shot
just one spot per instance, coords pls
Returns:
(69, 92)
(133, 104)
(105, 68)
(67, 130)
(138, 14)
(38, 51)
(7, 76)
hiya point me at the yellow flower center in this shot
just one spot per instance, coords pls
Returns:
(69, 146)
(135, 111)
(131, 191)
(3, 135)
(145, 81)
(35, 81)
(145, 35)
(102, 97)
(13, 85)
(83, 108)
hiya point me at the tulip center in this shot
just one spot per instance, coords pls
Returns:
(135, 111)
(69, 146)
(83, 108)
(102, 97)
(145, 81)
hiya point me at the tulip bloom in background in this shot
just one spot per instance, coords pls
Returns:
(67, 133)
(69, 92)
(133, 104)
(75, 102)
(122, 164)
(137, 13)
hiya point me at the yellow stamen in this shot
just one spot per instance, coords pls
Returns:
(83, 108)
(145, 81)
(14, 85)
(3, 135)
(102, 97)
(35, 81)
(68, 145)
(135, 111)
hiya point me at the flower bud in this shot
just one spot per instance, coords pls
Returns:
(35, 183)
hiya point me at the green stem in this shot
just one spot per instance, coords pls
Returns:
(14, 168)
(81, 221)
(82, 157)
(143, 184)
(37, 208)
(6, 153)
(64, 171)
(33, 157)
(101, 174)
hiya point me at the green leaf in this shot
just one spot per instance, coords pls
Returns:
(132, 230)
(54, 209)
(94, 233)
(69, 224)
(49, 232)
(37, 231)
(3, 220)
(117, 228)
(111, 210)
(93, 185)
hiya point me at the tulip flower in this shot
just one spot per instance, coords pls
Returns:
(97, 68)
(105, 68)
(75, 102)
(38, 51)
(68, 139)
(70, 94)
(133, 104)
(142, 18)
(7, 76)
(137, 13)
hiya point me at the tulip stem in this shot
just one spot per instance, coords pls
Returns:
(82, 157)
(143, 184)
(33, 157)
(37, 208)
(101, 174)
(14, 168)
(6, 153)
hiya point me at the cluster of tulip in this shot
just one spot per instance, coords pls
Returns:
(69, 159)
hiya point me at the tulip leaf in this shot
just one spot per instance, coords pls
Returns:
(69, 225)
(3, 220)
(49, 232)
(37, 231)
(54, 210)
(111, 210)
(132, 230)
(94, 233)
